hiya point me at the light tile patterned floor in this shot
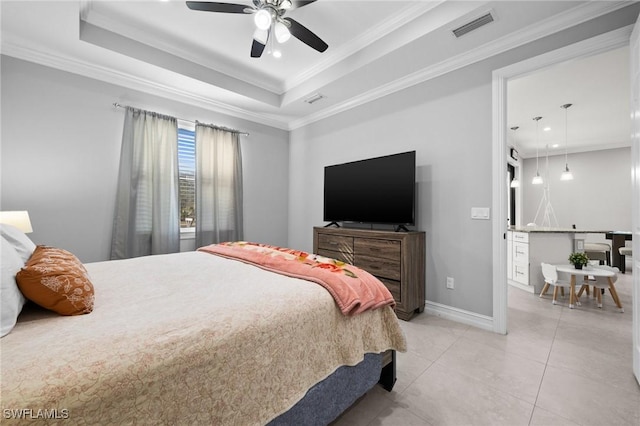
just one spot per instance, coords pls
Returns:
(556, 366)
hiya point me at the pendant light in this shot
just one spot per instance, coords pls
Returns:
(515, 183)
(537, 179)
(566, 174)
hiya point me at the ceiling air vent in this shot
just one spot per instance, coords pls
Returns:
(314, 98)
(473, 25)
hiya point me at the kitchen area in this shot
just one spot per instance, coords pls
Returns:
(569, 165)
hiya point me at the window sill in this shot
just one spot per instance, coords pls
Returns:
(187, 233)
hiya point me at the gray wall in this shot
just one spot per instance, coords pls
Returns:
(60, 153)
(61, 139)
(598, 198)
(450, 163)
(448, 122)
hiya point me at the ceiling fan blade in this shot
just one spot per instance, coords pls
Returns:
(298, 4)
(260, 38)
(210, 6)
(305, 35)
(256, 49)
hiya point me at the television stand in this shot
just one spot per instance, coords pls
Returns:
(395, 258)
(401, 228)
(332, 223)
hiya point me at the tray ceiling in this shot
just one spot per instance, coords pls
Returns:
(375, 48)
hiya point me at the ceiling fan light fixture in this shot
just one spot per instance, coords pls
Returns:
(282, 32)
(268, 16)
(261, 36)
(262, 19)
(276, 53)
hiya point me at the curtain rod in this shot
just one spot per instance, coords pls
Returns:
(117, 105)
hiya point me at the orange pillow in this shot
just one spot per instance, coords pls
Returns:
(55, 279)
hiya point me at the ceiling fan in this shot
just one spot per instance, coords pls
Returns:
(268, 15)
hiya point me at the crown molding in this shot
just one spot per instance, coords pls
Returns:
(591, 10)
(396, 22)
(561, 21)
(155, 41)
(61, 62)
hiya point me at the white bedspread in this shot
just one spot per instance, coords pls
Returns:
(187, 338)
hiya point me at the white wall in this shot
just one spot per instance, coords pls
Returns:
(598, 198)
(60, 153)
(447, 121)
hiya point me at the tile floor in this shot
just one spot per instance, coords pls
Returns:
(556, 366)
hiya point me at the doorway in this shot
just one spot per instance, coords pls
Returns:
(501, 199)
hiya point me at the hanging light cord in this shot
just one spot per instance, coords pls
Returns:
(566, 138)
(537, 143)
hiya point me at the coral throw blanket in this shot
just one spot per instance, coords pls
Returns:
(354, 289)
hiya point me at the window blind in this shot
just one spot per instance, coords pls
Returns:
(187, 176)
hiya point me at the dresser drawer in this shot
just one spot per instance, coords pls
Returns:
(339, 255)
(386, 268)
(339, 243)
(394, 288)
(386, 249)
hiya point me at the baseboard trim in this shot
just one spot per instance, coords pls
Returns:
(527, 288)
(459, 315)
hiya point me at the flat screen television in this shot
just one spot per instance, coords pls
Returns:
(377, 190)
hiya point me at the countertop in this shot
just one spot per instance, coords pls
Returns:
(532, 229)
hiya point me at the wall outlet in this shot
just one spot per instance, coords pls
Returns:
(450, 283)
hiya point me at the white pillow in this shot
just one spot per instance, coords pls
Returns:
(11, 299)
(20, 242)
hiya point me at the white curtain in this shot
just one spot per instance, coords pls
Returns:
(218, 185)
(147, 217)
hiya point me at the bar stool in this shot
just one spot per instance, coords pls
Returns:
(624, 251)
(598, 251)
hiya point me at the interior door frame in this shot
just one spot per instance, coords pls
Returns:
(635, 191)
(602, 43)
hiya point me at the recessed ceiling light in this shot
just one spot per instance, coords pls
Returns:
(546, 129)
(555, 145)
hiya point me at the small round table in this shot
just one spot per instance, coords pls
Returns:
(584, 272)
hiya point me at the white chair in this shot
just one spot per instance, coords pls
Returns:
(550, 274)
(601, 283)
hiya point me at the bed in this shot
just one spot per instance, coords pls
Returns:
(195, 338)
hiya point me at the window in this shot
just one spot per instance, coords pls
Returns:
(187, 177)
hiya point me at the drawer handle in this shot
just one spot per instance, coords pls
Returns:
(333, 243)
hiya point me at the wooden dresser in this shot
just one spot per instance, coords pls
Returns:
(395, 258)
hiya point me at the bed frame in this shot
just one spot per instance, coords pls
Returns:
(327, 400)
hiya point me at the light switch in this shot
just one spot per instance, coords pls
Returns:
(480, 213)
